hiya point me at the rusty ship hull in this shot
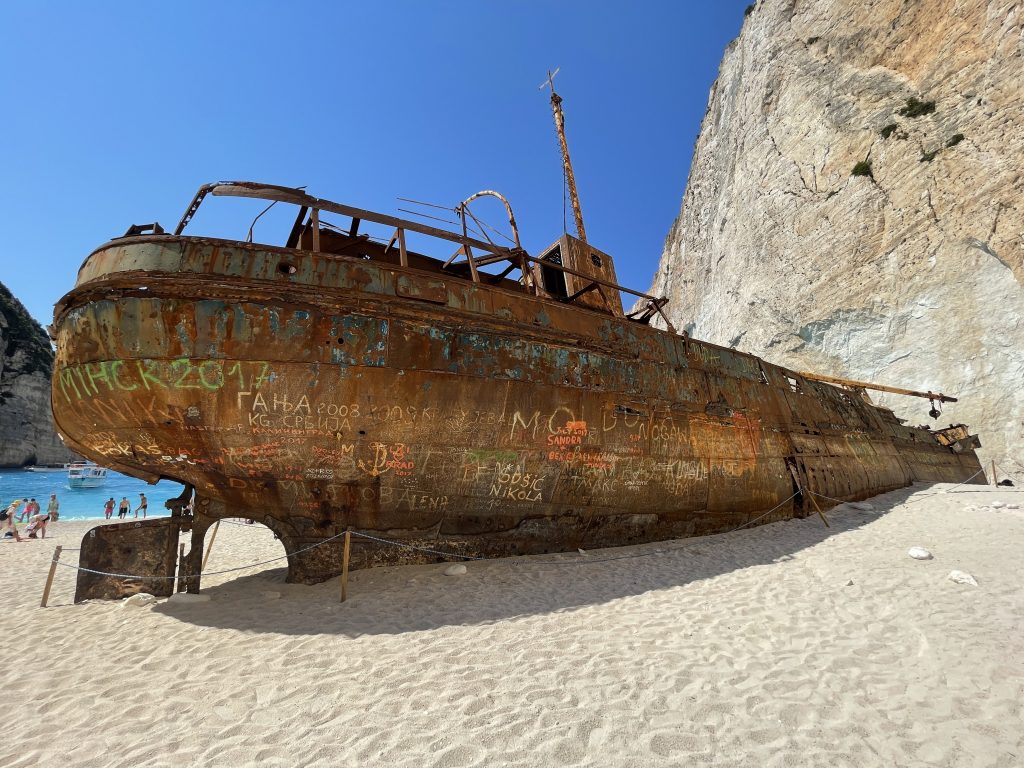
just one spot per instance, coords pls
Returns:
(314, 392)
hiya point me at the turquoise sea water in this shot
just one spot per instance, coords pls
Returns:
(84, 503)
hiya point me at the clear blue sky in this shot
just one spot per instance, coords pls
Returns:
(114, 113)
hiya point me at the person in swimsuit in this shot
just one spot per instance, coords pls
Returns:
(143, 504)
(52, 509)
(123, 507)
(8, 520)
(108, 508)
(37, 524)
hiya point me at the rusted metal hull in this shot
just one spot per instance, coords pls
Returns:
(457, 415)
(142, 548)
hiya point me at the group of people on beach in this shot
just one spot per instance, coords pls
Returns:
(37, 522)
(125, 507)
(20, 510)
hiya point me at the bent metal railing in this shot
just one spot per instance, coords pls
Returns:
(517, 257)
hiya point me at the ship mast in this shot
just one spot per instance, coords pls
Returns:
(570, 178)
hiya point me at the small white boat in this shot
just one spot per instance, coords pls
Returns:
(85, 474)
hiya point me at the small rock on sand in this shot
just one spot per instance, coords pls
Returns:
(188, 597)
(919, 553)
(962, 577)
(139, 600)
(1013, 506)
(455, 570)
(271, 595)
(997, 504)
(863, 506)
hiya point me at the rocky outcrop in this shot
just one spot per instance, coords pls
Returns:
(855, 203)
(27, 434)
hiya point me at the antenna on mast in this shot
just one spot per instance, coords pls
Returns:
(556, 108)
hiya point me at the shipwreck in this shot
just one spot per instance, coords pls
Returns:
(463, 396)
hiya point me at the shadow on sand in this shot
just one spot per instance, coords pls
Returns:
(420, 597)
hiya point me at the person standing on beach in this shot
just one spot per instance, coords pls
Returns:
(123, 507)
(108, 508)
(142, 506)
(28, 506)
(52, 509)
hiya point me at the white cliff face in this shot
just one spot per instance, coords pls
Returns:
(911, 275)
(27, 434)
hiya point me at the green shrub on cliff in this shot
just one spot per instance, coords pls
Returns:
(24, 334)
(863, 168)
(915, 108)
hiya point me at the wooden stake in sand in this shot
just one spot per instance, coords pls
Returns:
(995, 480)
(344, 566)
(820, 513)
(49, 577)
(181, 567)
(209, 546)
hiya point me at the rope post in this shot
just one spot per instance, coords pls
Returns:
(821, 514)
(209, 547)
(995, 480)
(181, 568)
(49, 577)
(344, 565)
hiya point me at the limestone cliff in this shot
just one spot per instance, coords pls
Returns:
(855, 202)
(27, 434)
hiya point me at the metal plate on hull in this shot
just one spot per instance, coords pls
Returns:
(144, 548)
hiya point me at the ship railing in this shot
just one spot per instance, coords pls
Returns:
(315, 205)
(493, 253)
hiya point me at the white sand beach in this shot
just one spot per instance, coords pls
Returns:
(785, 645)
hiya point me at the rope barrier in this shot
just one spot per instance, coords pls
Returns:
(749, 522)
(207, 573)
(947, 490)
(913, 500)
(990, 489)
(404, 545)
(475, 558)
(588, 561)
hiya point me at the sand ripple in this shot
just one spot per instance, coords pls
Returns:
(751, 648)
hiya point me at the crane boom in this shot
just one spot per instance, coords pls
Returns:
(879, 387)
